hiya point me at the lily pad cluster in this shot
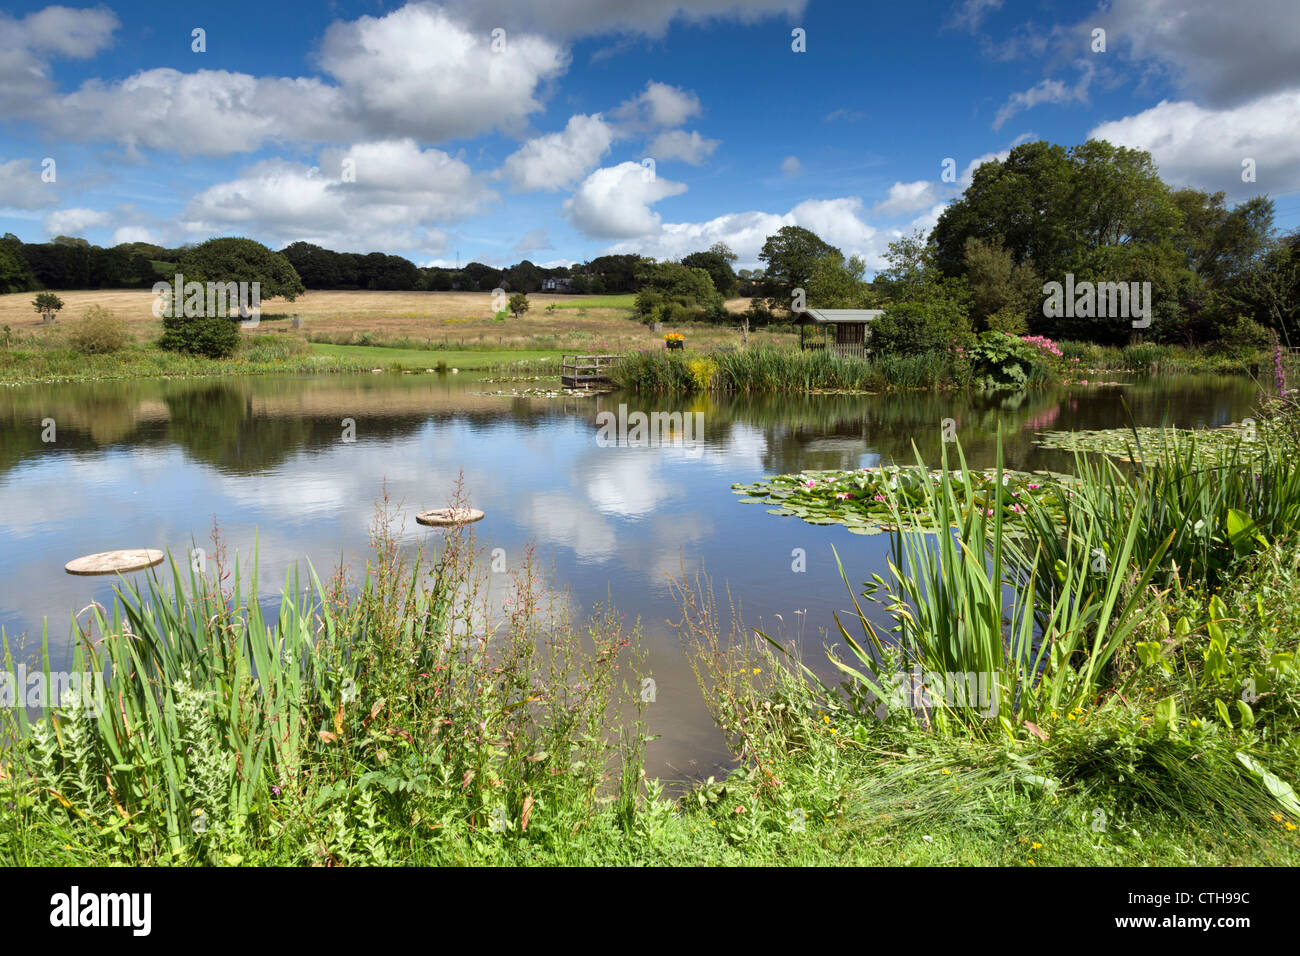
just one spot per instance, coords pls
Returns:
(1130, 444)
(860, 500)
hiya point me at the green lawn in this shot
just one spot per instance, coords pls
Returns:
(428, 358)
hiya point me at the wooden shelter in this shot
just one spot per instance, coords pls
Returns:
(844, 331)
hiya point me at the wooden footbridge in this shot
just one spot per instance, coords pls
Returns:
(584, 371)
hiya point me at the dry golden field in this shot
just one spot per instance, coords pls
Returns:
(449, 319)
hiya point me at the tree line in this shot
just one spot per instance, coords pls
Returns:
(1087, 214)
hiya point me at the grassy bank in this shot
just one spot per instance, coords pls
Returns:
(763, 369)
(256, 355)
(28, 363)
(1140, 706)
(1153, 359)
(419, 359)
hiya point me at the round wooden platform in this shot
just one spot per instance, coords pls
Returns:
(443, 517)
(115, 562)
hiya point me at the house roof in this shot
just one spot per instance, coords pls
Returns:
(837, 316)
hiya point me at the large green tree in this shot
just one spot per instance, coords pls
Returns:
(232, 259)
(717, 263)
(839, 284)
(791, 255)
(1101, 213)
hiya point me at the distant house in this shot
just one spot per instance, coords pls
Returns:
(841, 330)
(556, 284)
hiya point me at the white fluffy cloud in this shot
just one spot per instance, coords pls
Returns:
(208, 112)
(73, 222)
(658, 106)
(401, 193)
(791, 167)
(678, 144)
(907, 197)
(1204, 147)
(419, 72)
(414, 72)
(28, 45)
(558, 160)
(614, 202)
(838, 221)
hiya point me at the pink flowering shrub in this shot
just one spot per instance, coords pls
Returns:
(1043, 344)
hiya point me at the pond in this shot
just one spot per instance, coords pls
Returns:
(155, 463)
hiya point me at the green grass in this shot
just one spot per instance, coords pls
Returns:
(256, 355)
(1154, 359)
(465, 359)
(624, 301)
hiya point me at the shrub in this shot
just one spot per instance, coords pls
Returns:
(910, 328)
(1010, 321)
(1004, 361)
(98, 332)
(213, 336)
(647, 305)
(1244, 335)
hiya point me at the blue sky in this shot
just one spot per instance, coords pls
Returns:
(409, 129)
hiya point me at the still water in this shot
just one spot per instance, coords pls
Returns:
(155, 463)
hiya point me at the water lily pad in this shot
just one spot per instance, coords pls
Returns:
(859, 500)
(1128, 444)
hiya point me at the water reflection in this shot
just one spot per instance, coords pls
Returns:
(154, 463)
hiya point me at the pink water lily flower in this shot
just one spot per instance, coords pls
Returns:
(810, 483)
(1033, 487)
(843, 494)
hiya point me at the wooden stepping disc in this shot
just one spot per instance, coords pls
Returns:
(441, 517)
(115, 562)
